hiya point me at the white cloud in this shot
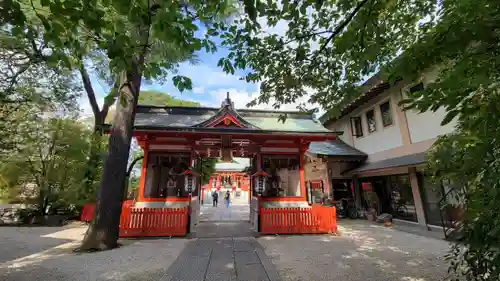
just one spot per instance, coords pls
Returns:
(199, 90)
(204, 76)
(241, 98)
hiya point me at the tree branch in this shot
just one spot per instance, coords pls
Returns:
(341, 26)
(305, 36)
(362, 39)
(131, 167)
(87, 84)
(108, 101)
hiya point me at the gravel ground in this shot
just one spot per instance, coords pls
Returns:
(45, 253)
(362, 252)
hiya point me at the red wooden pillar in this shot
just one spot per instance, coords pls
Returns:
(142, 180)
(302, 176)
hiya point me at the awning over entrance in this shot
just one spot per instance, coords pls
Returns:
(336, 149)
(407, 160)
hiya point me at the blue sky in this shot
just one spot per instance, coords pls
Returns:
(210, 83)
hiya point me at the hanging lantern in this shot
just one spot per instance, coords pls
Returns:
(189, 180)
(260, 182)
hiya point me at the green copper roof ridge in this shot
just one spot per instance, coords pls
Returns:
(244, 110)
(226, 109)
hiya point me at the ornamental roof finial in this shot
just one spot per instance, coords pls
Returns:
(227, 101)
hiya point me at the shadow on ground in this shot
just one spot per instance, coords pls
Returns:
(42, 254)
(363, 251)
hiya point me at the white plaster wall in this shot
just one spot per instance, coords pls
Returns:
(421, 126)
(427, 125)
(384, 138)
(343, 126)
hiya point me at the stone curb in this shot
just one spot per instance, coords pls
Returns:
(269, 267)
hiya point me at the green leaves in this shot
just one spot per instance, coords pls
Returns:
(226, 65)
(51, 160)
(449, 116)
(182, 83)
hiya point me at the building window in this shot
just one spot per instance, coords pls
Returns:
(357, 127)
(385, 110)
(370, 120)
(417, 88)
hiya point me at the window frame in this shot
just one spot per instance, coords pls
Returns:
(388, 102)
(368, 121)
(355, 132)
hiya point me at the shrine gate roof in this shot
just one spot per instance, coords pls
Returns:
(197, 118)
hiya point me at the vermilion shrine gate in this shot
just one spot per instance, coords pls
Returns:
(175, 139)
(228, 178)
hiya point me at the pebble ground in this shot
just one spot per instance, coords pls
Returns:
(362, 252)
(45, 253)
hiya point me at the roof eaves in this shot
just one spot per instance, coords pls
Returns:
(229, 130)
(360, 100)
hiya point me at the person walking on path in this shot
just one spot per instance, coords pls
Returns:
(226, 197)
(215, 198)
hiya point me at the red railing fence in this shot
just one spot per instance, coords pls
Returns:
(314, 220)
(137, 222)
(89, 209)
(87, 212)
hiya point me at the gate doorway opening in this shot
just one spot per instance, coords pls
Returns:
(228, 177)
(217, 218)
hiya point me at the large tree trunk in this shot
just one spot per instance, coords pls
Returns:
(92, 170)
(103, 231)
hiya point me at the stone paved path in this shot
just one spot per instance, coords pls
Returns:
(220, 259)
(221, 213)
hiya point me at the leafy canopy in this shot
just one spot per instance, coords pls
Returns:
(118, 31)
(325, 48)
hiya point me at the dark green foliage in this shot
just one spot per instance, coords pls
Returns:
(162, 99)
(326, 48)
(47, 169)
(208, 168)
